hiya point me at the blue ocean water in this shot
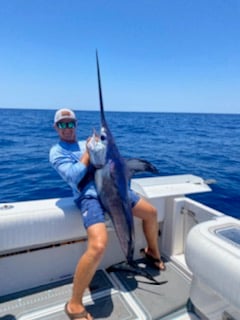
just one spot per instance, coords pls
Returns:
(207, 145)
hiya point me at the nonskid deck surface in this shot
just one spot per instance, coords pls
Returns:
(118, 295)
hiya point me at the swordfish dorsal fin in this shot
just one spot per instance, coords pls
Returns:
(139, 165)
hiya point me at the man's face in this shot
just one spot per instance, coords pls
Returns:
(66, 130)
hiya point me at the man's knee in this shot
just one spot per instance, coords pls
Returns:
(97, 240)
(96, 250)
(151, 210)
(100, 246)
(154, 212)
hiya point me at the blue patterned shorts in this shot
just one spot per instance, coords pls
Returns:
(93, 211)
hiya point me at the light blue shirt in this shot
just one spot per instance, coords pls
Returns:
(64, 158)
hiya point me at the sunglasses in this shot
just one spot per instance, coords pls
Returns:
(64, 125)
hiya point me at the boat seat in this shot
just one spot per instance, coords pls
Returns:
(212, 254)
(25, 225)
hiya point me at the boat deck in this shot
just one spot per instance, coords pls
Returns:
(115, 295)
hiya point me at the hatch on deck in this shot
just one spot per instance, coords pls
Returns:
(155, 187)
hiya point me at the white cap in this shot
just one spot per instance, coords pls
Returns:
(64, 114)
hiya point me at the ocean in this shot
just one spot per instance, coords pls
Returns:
(207, 145)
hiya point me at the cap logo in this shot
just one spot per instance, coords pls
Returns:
(65, 113)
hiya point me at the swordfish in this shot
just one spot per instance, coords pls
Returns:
(112, 183)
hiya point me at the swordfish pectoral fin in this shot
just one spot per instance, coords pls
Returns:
(138, 165)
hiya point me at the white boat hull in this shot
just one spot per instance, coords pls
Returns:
(41, 242)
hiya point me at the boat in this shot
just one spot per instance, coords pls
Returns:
(42, 240)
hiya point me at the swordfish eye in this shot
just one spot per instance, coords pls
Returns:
(103, 136)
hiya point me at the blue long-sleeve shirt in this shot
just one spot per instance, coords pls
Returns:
(64, 158)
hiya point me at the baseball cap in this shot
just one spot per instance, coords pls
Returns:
(64, 114)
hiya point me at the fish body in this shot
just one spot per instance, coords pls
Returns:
(112, 184)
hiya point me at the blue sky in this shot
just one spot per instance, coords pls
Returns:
(164, 56)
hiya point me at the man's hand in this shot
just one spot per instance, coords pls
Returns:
(85, 159)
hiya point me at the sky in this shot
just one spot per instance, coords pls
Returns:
(155, 55)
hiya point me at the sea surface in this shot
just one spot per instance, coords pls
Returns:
(207, 145)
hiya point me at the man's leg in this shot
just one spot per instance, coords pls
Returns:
(87, 265)
(145, 211)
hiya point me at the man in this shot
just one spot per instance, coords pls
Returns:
(71, 160)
